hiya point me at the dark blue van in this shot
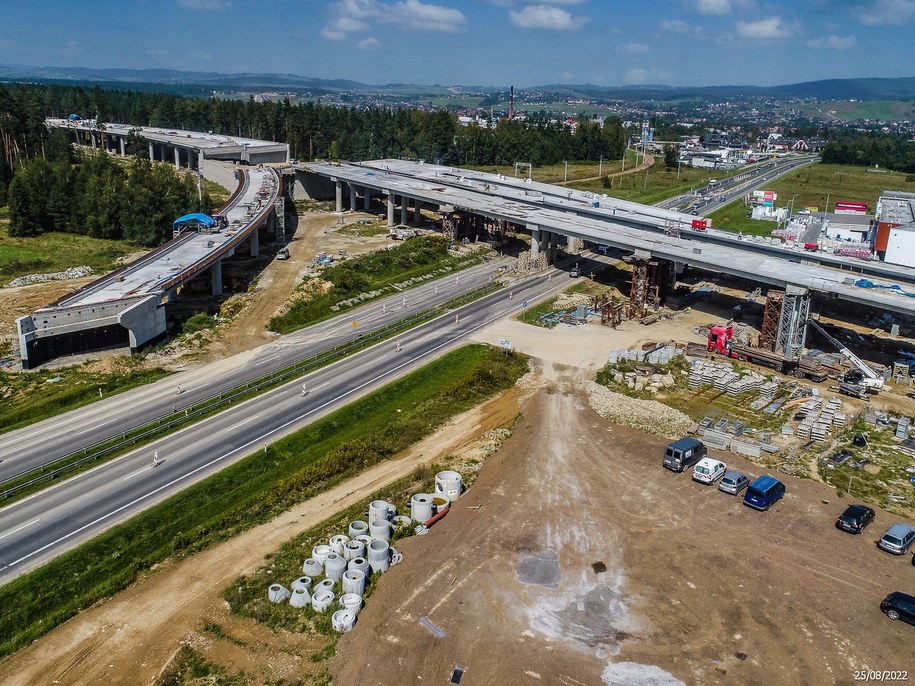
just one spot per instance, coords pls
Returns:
(764, 492)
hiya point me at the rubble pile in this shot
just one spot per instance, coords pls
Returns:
(71, 273)
(644, 415)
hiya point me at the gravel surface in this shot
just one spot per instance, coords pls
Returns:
(645, 415)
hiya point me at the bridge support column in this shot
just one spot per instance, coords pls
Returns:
(417, 215)
(216, 278)
(352, 198)
(177, 157)
(152, 153)
(403, 209)
(338, 196)
(535, 241)
(254, 243)
(190, 159)
(792, 324)
(123, 143)
(390, 197)
(367, 198)
(163, 150)
(94, 141)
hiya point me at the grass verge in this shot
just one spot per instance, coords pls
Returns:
(367, 277)
(30, 398)
(254, 489)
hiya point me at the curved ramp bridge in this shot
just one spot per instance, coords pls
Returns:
(127, 306)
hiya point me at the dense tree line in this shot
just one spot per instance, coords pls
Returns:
(95, 195)
(48, 187)
(889, 151)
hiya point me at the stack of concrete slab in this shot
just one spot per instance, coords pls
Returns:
(902, 428)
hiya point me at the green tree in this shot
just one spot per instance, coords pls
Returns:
(670, 157)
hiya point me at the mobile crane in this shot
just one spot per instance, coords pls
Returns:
(862, 375)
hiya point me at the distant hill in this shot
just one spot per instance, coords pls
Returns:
(828, 89)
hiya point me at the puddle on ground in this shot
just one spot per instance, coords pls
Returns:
(541, 569)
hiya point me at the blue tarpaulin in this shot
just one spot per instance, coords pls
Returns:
(197, 218)
(865, 283)
(74, 117)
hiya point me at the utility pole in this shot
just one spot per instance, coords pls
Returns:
(566, 175)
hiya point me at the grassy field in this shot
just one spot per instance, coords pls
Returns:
(813, 185)
(368, 276)
(29, 398)
(254, 490)
(55, 252)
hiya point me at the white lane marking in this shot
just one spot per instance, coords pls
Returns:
(244, 421)
(258, 441)
(373, 362)
(10, 533)
(139, 471)
(97, 426)
(322, 385)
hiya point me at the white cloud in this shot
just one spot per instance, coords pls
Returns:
(640, 75)
(74, 46)
(546, 17)
(771, 27)
(833, 42)
(515, 3)
(356, 16)
(712, 6)
(201, 56)
(205, 5)
(369, 43)
(675, 26)
(633, 48)
(882, 12)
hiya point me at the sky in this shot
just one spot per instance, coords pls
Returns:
(474, 42)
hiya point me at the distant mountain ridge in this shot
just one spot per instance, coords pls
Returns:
(902, 88)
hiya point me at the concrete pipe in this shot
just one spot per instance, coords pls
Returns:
(302, 582)
(300, 597)
(313, 567)
(320, 552)
(352, 602)
(379, 556)
(396, 557)
(449, 484)
(335, 566)
(361, 564)
(366, 539)
(343, 621)
(321, 600)
(324, 585)
(440, 503)
(354, 581)
(401, 522)
(337, 542)
(380, 509)
(358, 528)
(277, 593)
(381, 530)
(421, 507)
(353, 549)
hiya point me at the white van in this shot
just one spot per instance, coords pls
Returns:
(708, 471)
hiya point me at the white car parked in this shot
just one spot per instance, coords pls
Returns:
(708, 471)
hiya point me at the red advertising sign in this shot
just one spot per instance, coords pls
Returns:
(700, 224)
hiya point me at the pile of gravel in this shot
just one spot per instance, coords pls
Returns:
(645, 415)
(71, 273)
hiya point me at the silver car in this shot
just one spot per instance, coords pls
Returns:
(898, 539)
(733, 482)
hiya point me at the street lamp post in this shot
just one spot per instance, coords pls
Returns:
(566, 175)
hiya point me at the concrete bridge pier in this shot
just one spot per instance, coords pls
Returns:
(535, 240)
(123, 142)
(352, 198)
(216, 277)
(403, 208)
(177, 158)
(254, 243)
(417, 215)
(152, 153)
(338, 188)
(390, 198)
(367, 199)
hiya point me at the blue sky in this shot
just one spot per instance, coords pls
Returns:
(475, 42)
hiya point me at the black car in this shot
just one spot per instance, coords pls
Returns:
(855, 518)
(899, 605)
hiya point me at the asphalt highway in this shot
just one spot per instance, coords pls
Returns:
(32, 446)
(56, 519)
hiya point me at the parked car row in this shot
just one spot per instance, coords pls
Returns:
(763, 492)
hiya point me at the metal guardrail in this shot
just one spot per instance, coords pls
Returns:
(165, 423)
